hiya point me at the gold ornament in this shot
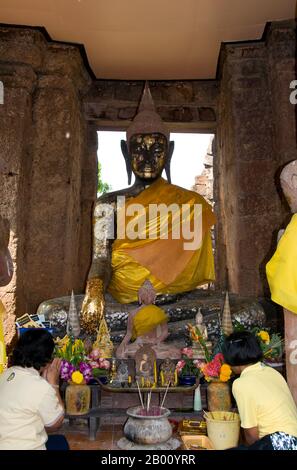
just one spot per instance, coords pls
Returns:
(93, 306)
(103, 341)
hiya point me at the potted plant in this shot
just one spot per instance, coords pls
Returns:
(272, 347)
(77, 372)
(217, 373)
(187, 368)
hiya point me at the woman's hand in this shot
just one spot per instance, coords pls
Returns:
(52, 372)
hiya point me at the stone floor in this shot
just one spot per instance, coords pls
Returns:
(106, 439)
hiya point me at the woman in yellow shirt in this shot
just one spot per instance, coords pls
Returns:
(266, 407)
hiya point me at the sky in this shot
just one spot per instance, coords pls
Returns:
(186, 163)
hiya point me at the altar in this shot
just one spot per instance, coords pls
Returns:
(108, 401)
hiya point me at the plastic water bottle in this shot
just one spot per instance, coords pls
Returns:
(197, 399)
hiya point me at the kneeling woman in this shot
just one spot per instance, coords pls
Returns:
(30, 404)
(266, 407)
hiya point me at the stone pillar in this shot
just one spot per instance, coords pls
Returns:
(88, 196)
(253, 139)
(18, 81)
(45, 147)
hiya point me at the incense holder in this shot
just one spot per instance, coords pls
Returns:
(148, 427)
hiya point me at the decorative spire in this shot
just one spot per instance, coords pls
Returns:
(73, 326)
(227, 326)
(103, 341)
(147, 120)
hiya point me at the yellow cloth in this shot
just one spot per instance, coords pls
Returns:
(2, 343)
(165, 262)
(147, 319)
(264, 400)
(281, 270)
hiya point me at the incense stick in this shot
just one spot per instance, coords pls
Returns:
(165, 394)
(141, 401)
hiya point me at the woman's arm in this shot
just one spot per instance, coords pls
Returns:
(51, 374)
(251, 435)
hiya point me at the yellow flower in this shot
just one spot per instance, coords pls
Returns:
(264, 335)
(77, 377)
(225, 373)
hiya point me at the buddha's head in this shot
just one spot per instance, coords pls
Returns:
(147, 151)
(146, 293)
(288, 178)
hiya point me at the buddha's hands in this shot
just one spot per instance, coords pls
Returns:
(93, 305)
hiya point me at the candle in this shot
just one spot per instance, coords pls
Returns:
(197, 399)
(155, 371)
(142, 381)
(175, 377)
(129, 379)
(162, 378)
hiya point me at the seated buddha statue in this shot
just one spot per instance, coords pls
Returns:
(142, 248)
(198, 350)
(147, 325)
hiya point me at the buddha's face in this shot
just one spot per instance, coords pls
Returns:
(148, 153)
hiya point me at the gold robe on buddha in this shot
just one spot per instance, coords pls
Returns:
(147, 319)
(165, 262)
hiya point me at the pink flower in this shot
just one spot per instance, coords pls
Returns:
(180, 365)
(199, 364)
(218, 358)
(106, 364)
(187, 352)
(94, 364)
(95, 354)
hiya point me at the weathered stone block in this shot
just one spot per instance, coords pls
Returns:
(206, 114)
(127, 113)
(128, 90)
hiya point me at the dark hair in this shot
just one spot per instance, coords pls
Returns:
(242, 348)
(33, 349)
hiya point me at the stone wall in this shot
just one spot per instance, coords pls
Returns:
(256, 136)
(46, 190)
(184, 105)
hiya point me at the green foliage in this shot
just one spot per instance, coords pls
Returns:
(73, 351)
(237, 326)
(274, 348)
(99, 372)
(102, 187)
(218, 348)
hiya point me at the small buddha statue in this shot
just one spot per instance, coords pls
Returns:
(121, 263)
(201, 325)
(145, 358)
(198, 350)
(167, 372)
(103, 341)
(147, 325)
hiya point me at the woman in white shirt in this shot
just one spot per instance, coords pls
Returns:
(31, 404)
